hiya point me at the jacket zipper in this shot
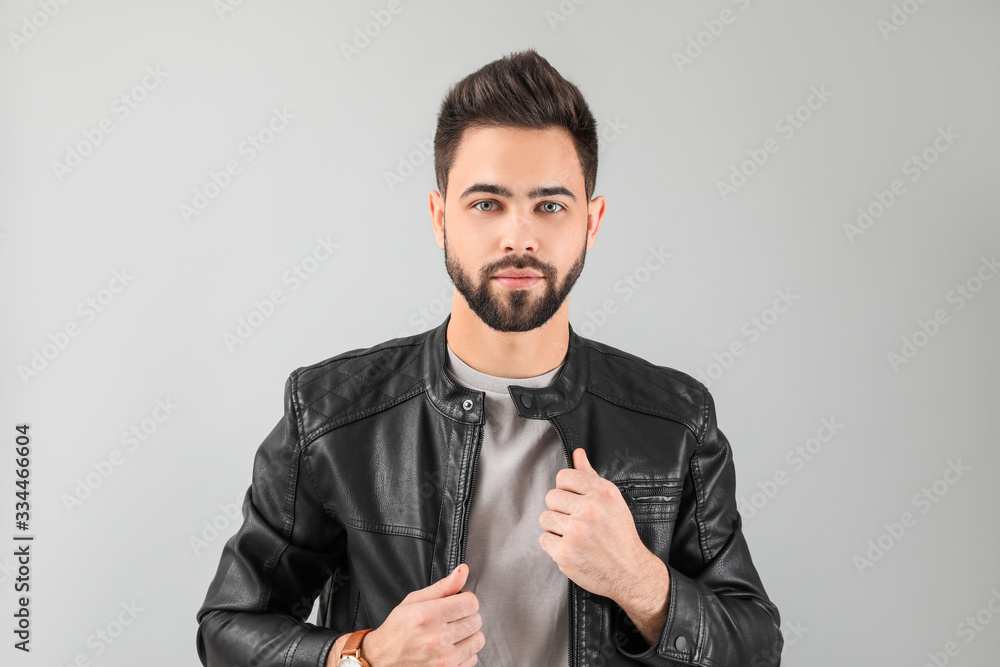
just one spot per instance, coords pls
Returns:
(569, 582)
(468, 499)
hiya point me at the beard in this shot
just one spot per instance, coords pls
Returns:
(513, 310)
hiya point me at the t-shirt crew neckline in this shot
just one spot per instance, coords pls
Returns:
(473, 379)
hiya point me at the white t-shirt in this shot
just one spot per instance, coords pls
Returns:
(523, 596)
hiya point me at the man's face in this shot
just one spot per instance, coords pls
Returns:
(516, 201)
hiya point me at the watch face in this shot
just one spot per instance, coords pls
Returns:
(349, 661)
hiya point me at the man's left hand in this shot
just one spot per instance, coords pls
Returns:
(591, 536)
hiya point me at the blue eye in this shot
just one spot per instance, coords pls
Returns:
(494, 204)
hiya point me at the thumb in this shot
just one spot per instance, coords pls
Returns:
(581, 462)
(444, 587)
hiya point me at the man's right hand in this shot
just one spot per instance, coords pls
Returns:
(439, 622)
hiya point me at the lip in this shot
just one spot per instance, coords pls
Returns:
(517, 282)
(515, 273)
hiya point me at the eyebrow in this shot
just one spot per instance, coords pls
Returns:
(501, 191)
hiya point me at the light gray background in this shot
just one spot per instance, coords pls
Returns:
(669, 135)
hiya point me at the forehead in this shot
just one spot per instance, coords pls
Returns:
(516, 155)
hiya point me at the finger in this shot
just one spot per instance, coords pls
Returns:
(551, 523)
(562, 501)
(442, 588)
(463, 628)
(581, 462)
(458, 606)
(469, 647)
(576, 481)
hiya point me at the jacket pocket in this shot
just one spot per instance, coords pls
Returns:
(651, 500)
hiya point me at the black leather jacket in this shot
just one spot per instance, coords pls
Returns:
(361, 494)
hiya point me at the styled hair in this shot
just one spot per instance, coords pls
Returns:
(519, 90)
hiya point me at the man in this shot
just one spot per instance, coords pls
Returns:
(498, 489)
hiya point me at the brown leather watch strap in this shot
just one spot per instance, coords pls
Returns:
(353, 645)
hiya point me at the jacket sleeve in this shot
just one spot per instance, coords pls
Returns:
(274, 567)
(718, 614)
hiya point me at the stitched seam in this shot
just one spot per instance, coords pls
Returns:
(700, 649)
(292, 647)
(704, 418)
(355, 416)
(645, 410)
(349, 376)
(456, 523)
(629, 363)
(628, 366)
(352, 375)
(272, 561)
(703, 531)
(362, 353)
(360, 524)
(357, 605)
(444, 486)
(393, 529)
(699, 501)
(639, 361)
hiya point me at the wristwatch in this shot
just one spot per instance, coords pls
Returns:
(350, 655)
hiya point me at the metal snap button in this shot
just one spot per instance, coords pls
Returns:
(680, 643)
(467, 404)
(526, 400)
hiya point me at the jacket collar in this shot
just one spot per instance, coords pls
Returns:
(466, 405)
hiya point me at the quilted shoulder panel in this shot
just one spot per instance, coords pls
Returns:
(630, 381)
(357, 383)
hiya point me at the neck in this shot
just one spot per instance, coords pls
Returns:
(507, 354)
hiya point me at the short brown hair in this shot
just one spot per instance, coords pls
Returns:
(519, 90)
